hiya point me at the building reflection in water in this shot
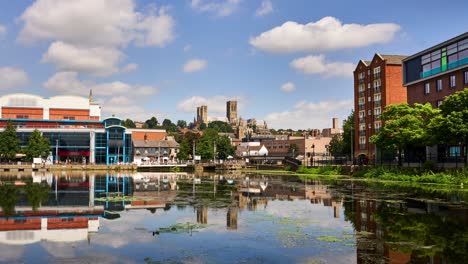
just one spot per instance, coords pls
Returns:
(231, 221)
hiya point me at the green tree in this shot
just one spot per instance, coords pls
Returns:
(293, 148)
(202, 126)
(348, 134)
(224, 148)
(169, 126)
(205, 145)
(337, 145)
(452, 124)
(151, 123)
(185, 150)
(128, 123)
(181, 123)
(221, 126)
(405, 126)
(37, 146)
(9, 143)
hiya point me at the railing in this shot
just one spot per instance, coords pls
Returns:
(362, 132)
(362, 120)
(362, 146)
(377, 117)
(362, 107)
(377, 89)
(362, 94)
(377, 75)
(361, 80)
(377, 103)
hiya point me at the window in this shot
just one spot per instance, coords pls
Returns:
(377, 86)
(369, 112)
(362, 100)
(377, 125)
(439, 85)
(368, 85)
(377, 97)
(427, 88)
(361, 114)
(452, 81)
(362, 140)
(362, 127)
(466, 77)
(69, 117)
(369, 99)
(377, 111)
(361, 87)
(368, 72)
(369, 125)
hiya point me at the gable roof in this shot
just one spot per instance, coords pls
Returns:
(155, 144)
(393, 59)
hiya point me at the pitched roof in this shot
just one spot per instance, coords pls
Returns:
(155, 144)
(393, 59)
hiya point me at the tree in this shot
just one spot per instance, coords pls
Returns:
(405, 126)
(348, 134)
(337, 145)
(224, 147)
(9, 143)
(169, 126)
(8, 198)
(128, 123)
(151, 123)
(452, 124)
(203, 126)
(181, 123)
(205, 145)
(36, 194)
(185, 150)
(293, 148)
(37, 146)
(221, 126)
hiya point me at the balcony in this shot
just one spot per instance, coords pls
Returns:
(362, 94)
(377, 117)
(361, 80)
(377, 103)
(362, 132)
(377, 129)
(362, 107)
(362, 120)
(377, 89)
(377, 75)
(362, 146)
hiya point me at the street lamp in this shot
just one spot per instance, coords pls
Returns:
(313, 155)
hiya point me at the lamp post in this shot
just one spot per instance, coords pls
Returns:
(313, 154)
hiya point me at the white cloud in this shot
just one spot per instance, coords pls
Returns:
(219, 8)
(288, 87)
(317, 65)
(306, 115)
(129, 67)
(95, 30)
(122, 99)
(3, 30)
(194, 65)
(265, 8)
(11, 77)
(187, 47)
(98, 61)
(216, 104)
(326, 34)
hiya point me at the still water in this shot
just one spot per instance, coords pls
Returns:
(244, 218)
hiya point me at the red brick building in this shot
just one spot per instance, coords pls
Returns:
(377, 84)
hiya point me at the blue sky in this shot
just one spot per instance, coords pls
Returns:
(287, 62)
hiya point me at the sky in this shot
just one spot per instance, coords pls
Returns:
(287, 62)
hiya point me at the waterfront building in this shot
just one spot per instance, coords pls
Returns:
(334, 130)
(74, 128)
(377, 84)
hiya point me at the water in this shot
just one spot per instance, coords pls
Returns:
(180, 218)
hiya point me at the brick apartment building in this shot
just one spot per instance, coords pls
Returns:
(433, 74)
(377, 84)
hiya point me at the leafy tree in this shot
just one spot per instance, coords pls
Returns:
(405, 126)
(224, 147)
(348, 134)
(203, 126)
(293, 148)
(37, 146)
(9, 143)
(205, 145)
(221, 126)
(452, 124)
(151, 123)
(169, 126)
(185, 150)
(337, 145)
(128, 123)
(181, 123)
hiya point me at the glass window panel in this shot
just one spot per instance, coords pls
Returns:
(435, 64)
(463, 54)
(426, 67)
(452, 58)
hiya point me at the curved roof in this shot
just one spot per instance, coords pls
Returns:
(31, 100)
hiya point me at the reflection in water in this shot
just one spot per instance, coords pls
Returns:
(375, 223)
